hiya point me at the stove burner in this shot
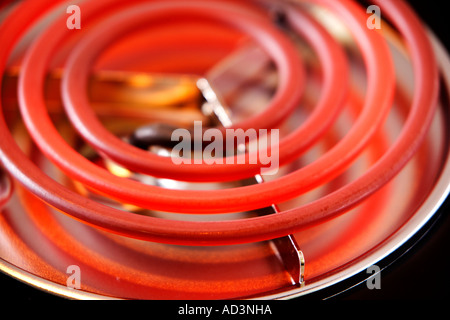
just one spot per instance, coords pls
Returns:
(89, 113)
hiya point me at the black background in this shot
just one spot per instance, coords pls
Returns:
(417, 271)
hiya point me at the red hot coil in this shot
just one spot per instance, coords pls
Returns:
(106, 21)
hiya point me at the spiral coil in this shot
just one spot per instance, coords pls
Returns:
(73, 153)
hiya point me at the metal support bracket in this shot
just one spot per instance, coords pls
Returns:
(286, 248)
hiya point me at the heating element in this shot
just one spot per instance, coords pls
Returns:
(215, 149)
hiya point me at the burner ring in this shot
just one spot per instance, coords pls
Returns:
(260, 228)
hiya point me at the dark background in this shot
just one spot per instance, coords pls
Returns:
(417, 271)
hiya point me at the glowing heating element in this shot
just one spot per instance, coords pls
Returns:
(89, 112)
